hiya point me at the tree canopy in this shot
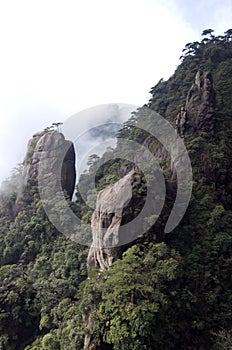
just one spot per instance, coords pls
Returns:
(166, 291)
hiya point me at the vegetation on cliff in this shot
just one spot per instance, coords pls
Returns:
(167, 292)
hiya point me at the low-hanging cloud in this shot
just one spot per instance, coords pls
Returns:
(95, 129)
(79, 58)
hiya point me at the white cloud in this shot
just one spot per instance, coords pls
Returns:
(214, 14)
(83, 130)
(59, 57)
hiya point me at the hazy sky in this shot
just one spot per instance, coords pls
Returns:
(59, 57)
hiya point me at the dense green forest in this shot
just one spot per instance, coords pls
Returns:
(165, 291)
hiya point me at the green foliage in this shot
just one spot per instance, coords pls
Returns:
(50, 342)
(223, 340)
(167, 291)
(135, 294)
(39, 268)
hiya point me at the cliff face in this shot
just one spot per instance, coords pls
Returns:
(46, 150)
(106, 221)
(199, 111)
(54, 157)
(167, 291)
(197, 116)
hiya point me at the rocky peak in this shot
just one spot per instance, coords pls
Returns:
(198, 113)
(51, 152)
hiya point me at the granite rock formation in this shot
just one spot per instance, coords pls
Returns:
(106, 221)
(198, 113)
(49, 154)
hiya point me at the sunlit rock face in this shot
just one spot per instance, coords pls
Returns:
(106, 221)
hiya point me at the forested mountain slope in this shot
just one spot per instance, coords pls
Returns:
(163, 291)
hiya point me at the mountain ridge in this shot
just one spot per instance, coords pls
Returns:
(164, 291)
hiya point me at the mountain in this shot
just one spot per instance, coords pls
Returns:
(161, 289)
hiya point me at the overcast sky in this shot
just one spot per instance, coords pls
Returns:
(59, 57)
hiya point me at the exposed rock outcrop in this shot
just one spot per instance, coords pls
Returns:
(49, 150)
(198, 113)
(196, 116)
(181, 121)
(106, 221)
(52, 155)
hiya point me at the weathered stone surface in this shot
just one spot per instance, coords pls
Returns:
(181, 121)
(198, 113)
(49, 154)
(106, 221)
